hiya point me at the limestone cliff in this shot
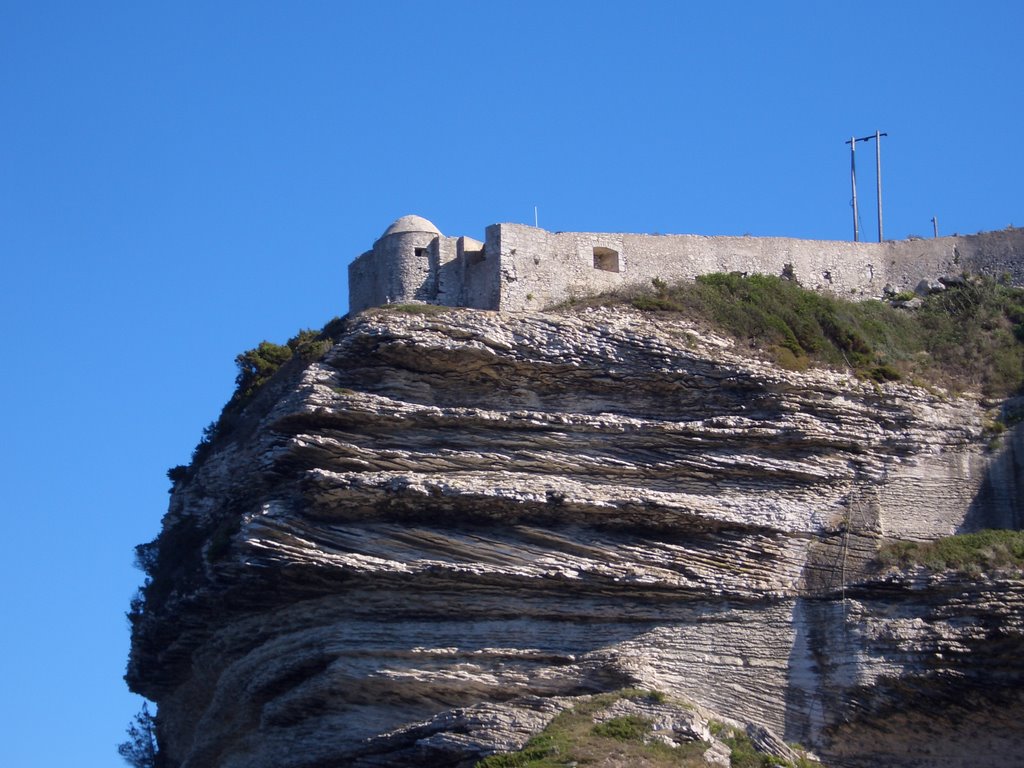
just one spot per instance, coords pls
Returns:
(420, 547)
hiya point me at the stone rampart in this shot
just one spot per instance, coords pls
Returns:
(521, 267)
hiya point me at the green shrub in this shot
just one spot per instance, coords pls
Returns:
(624, 728)
(257, 365)
(968, 337)
(173, 560)
(744, 754)
(573, 738)
(177, 474)
(882, 373)
(968, 553)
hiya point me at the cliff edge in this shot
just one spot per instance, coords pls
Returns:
(420, 547)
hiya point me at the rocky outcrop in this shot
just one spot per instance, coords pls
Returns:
(419, 548)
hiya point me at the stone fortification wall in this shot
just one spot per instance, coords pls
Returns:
(540, 268)
(521, 267)
(405, 264)
(402, 267)
(363, 289)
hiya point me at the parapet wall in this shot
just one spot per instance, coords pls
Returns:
(519, 267)
(540, 268)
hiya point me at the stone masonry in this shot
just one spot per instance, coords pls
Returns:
(519, 267)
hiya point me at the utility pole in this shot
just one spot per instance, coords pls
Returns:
(878, 179)
(853, 183)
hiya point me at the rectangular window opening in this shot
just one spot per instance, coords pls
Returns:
(606, 259)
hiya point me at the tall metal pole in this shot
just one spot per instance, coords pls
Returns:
(878, 176)
(853, 183)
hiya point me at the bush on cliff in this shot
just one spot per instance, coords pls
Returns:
(174, 561)
(970, 553)
(141, 749)
(969, 337)
(256, 367)
(573, 738)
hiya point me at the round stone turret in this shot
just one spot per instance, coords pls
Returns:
(406, 257)
(411, 224)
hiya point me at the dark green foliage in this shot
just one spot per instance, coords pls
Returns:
(968, 553)
(174, 561)
(978, 330)
(787, 321)
(220, 539)
(257, 365)
(533, 754)
(882, 373)
(572, 738)
(744, 755)
(210, 432)
(625, 728)
(335, 327)
(146, 557)
(141, 749)
(969, 337)
(177, 474)
(171, 561)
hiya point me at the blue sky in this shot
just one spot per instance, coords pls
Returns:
(179, 181)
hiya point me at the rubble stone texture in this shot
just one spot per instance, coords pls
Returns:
(419, 549)
(518, 267)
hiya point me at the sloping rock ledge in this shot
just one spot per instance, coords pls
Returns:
(421, 547)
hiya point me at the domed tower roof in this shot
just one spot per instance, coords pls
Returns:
(411, 224)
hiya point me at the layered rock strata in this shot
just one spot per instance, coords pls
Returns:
(419, 548)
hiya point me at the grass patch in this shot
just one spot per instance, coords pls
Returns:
(745, 755)
(625, 728)
(573, 738)
(415, 309)
(969, 553)
(969, 337)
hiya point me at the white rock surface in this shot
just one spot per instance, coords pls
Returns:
(419, 549)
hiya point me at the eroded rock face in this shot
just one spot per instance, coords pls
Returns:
(418, 549)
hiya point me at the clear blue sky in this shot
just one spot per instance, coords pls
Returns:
(179, 181)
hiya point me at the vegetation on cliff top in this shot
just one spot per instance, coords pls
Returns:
(969, 337)
(969, 553)
(174, 560)
(256, 366)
